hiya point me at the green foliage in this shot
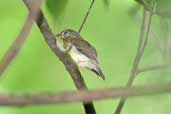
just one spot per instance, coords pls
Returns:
(114, 34)
(106, 2)
(163, 7)
(56, 7)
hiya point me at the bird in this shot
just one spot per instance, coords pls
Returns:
(80, 50)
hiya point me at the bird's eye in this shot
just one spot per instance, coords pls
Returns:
(65, 32)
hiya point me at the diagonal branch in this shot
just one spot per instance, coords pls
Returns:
(82, 96)
(70, 65)
(20, 40)
(141, 46)
(86, 16)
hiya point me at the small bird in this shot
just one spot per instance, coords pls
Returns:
(83, 53)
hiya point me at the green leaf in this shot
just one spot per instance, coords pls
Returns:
(106, 2)
(163, 7)
(56, 7)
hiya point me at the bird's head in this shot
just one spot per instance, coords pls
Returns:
(68, 33)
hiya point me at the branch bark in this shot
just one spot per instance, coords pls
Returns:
(140, 50)
(70, 65)
(136, 61)
(153, 68)
(20, 40)
(82, 95)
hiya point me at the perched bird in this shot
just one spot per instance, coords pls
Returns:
(83, 53)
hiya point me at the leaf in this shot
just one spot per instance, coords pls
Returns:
(106, 2)
(56, 7)
(163, 7)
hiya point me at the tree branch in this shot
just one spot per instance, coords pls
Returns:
(141, 46)
(70, 65)
(153, 68)
(136, 61)
(82, 95)
(19, 42)
(86, 16)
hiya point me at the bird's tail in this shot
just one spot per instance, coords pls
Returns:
(98, 71)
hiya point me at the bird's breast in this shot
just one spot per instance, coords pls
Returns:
(79, 58)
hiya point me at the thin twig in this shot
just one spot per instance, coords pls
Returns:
(86, 16)
(139, 53)
(153, 68)
(143, 2)
(81, 96)
(136, 60)
(16, 46)
(148, 29)
(70, 65)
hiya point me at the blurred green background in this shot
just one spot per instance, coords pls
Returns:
(113, 28)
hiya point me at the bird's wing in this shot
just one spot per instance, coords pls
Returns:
(84, 47)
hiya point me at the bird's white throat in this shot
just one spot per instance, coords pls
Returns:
(59, 44)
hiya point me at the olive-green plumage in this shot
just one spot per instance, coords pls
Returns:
(83, 53)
